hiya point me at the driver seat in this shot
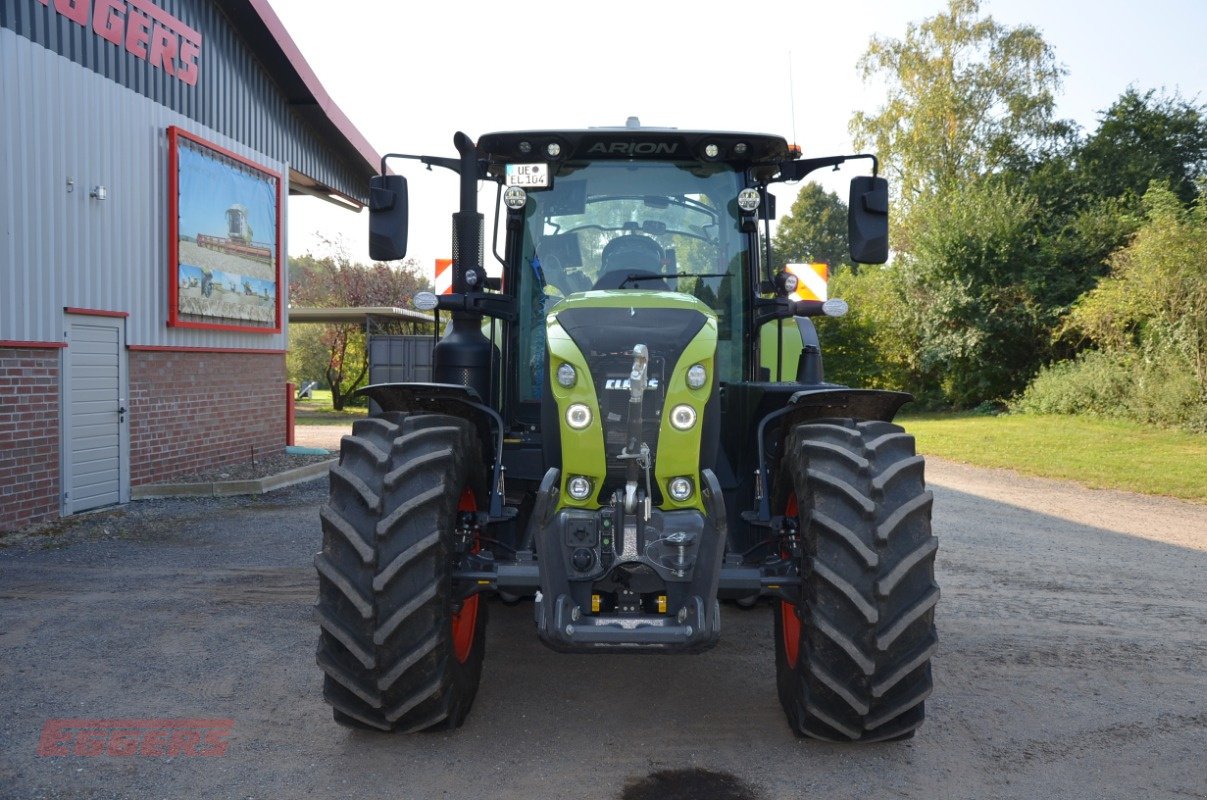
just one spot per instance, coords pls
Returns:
(634, 255)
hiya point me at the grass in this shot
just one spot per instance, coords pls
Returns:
(318, 410)
(1104, 454)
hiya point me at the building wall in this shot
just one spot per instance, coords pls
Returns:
(63, 130)
(29, 436)
(234, 91)
(190, 411)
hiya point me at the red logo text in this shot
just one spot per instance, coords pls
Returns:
(143, 28)
(135, 737)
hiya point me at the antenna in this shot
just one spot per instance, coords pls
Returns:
(792, 98)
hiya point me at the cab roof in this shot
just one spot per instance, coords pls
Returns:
(633, 143)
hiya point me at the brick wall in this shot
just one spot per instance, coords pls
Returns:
(29, 436)
(190, 411)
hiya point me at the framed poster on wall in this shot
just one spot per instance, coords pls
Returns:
(224, 238)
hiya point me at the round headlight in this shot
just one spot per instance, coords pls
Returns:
(739, 149)
(683, 417)
(525, 147)
(554, 149)
(515, 197)
(680, 488)
(578, 416)
(566, 376)
(748, 199)
(711, 150)
(579, 487)
(697, 376)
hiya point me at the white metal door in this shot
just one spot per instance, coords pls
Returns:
(95, 469)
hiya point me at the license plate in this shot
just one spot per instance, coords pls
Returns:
(528, 175)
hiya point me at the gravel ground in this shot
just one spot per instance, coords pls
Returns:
(1073, 664)
(327, 436)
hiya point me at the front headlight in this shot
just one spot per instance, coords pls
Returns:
(578, 416)
(697, 376)
(578, 487)
(683, 417)
(566, 376)
(680, 488)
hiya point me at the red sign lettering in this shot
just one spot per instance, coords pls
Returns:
(135, 737)
(143, 28)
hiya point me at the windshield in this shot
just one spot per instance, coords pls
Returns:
(634, 225)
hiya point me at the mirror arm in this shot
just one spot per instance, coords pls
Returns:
(795, 170)
(453, 164)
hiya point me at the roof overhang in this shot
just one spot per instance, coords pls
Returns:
(357, 315)
(306, 96)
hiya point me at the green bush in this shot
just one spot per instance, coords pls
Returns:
(1157, 387)
(1096, 382)
(1149, 320)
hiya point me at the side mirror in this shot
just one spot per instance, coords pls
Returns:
(867, 223)
(387, 217)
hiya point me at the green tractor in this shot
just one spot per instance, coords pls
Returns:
(627, 427)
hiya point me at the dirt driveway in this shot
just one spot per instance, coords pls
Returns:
(1073, 664)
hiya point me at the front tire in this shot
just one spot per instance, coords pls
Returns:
(853, 650)
(396, 653)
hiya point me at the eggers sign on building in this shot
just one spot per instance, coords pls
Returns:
(150, 150)
(144, 29)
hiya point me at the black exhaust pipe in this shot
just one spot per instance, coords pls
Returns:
(466, 356)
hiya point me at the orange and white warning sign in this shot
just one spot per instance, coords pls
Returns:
(812, 281)
(444, 276)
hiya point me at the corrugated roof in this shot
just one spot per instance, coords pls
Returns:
(356, 314)
(273, 45)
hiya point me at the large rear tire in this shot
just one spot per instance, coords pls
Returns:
(853, 651)
(396, 654)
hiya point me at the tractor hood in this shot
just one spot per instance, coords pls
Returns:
(595, 333)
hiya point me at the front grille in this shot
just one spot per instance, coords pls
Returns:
(614, 408)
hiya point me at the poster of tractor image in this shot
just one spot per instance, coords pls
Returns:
(226, 270)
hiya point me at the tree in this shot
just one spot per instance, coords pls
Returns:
(1155, 298)
(1143, 138)
(1147, 322)
(336, 281)
(965, 96)
(970, 288)
(814, 230)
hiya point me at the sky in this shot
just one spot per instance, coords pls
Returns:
(409, 75)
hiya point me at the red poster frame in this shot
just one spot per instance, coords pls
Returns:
(174, 320)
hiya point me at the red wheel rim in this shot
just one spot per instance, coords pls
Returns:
(789, 621)
(465, 621)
